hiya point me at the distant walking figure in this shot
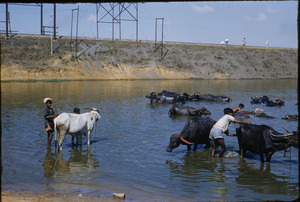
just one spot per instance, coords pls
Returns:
(244, 42)
(267, 43)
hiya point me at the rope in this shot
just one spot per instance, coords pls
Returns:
(185, 141)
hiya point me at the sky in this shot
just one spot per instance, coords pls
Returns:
(192, 22)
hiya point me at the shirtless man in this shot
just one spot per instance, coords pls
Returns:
(238, 109)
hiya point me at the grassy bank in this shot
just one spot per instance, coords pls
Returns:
(28, 57)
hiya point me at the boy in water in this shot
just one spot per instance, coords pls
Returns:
(220, 128)
(49, 116)
(76, 111)
(238, 109)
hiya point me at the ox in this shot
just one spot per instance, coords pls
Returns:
(209, 97)
(196, 131)
(264, 140)
(188, 111)
(165, 97)
(75, 125)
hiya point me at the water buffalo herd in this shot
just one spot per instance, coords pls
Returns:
(258, 139)
(265, 100)
(167, 97)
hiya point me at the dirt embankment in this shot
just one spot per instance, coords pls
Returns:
(28, 58)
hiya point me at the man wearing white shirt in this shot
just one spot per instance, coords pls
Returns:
(220, 128)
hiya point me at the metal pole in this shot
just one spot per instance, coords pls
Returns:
(97, 9)
(54, 19)
(51, 35)
(6, 20)
(77, 30)
(113, 21)
(119, 21)
(162, 37)
(137, 24)
(155, 32)
(9, 22)
(71, 28)
(41, 18)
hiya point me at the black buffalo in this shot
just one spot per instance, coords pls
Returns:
(188, 111)
(290, 117)
(277, 102)
(165, 97)
(265, 99)
(196, 131)
(209, 97)
(264, 140)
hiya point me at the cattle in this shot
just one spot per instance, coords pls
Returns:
(264, 140)
(291, 117)
(165, 97)
(188, 111)
(265, 99)
(209, 97)
(75, 125)
(196, 131)
(259, 113)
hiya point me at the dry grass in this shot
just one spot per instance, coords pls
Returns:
(106, 59)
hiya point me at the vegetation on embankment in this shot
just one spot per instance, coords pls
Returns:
(27, 57)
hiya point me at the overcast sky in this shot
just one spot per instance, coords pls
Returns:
(195, 22)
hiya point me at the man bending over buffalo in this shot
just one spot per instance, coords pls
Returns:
(221, 128)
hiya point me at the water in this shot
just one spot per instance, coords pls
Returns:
(128, 146)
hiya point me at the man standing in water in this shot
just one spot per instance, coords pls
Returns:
(49, 116)
(220, 128)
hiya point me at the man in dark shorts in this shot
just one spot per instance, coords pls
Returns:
(49, 116)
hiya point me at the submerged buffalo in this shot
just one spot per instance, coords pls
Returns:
(196, 131)
(291, 117)
(209, 97)
(165, 97)
(259, 113)
(264, 140)
(267, 101)
(188, 111)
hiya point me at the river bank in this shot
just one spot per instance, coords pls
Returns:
(35, 197)
(27, 57)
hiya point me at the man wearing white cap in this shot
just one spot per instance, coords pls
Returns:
(49, 116)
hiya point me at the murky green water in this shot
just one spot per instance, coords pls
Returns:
(128, 148)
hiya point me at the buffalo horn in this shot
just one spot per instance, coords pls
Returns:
(282, 135)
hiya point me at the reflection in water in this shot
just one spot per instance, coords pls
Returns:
(79, 160)
(193, 169)
(262, 180)
(49, 163)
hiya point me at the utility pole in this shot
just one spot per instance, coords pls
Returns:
(51, 35)
(71, 28)
(162, 38)
(110, 11)
(77, 32)
(7, 20)
(42, 19)
(54, 19)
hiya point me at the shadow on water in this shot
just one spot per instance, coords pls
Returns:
(84, 142)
